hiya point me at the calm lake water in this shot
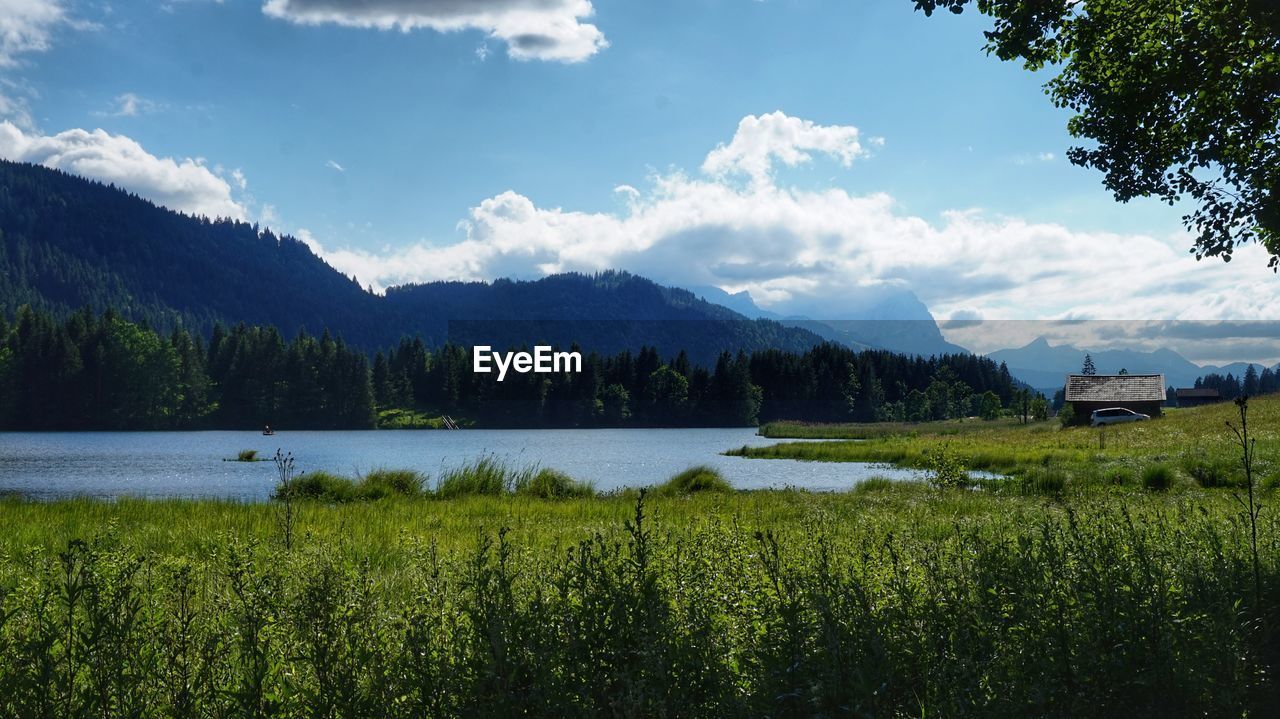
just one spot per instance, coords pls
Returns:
(189, 464)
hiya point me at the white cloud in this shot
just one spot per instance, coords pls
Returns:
(1217, 342)
(531, 29)
(130, 105)
(1030, 159)
(185, 185)
(761, 140)
(27, 26)
(810, 252)
(16, 109)
(333, 165)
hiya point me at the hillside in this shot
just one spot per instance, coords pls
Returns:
(67, 243)
(610, 312)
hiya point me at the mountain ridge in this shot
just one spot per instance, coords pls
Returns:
(67, 242)
(1043, 365)
(886, 317)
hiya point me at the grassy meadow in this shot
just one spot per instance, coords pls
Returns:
(1194, 444)
(495, 591)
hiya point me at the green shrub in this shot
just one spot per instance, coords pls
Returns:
(946, 471)
(392, 482)
(695, 479)
(485, 476)
(319, 485)
(1067, 415)
(1157, 477)
(247, 455)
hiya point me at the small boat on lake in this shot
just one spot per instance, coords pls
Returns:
(267, 431)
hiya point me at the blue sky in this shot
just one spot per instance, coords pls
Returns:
(403, 152)
(424, 128)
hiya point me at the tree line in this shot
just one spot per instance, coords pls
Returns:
(1252, 383)
(827, 383)
(91, 371)
(103, 372)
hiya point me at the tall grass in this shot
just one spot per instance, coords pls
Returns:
(325, 486)
(485, 476)
(876, 484)
(693, 480)
(393, 482)
(1158, 477)
(317, 485)
(899, 602)
(492, 477)
(548, 483)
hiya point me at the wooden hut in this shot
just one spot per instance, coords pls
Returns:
(1196, 396)
(1143, 393)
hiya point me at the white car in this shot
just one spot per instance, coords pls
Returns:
(1115, 415)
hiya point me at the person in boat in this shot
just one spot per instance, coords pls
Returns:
(267, 430)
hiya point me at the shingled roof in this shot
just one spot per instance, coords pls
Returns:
(1115, 388)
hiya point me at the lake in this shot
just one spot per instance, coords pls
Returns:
(190, 464)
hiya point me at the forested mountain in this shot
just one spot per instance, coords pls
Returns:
(68, 243)
(608, 313)
(128, 316)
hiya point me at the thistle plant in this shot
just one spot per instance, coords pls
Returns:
(1249, 504)
(287, 515)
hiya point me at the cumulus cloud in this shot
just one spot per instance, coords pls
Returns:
(27, 26)
(531, 29)
(816, 252)
(183, 184)
(760, 141)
